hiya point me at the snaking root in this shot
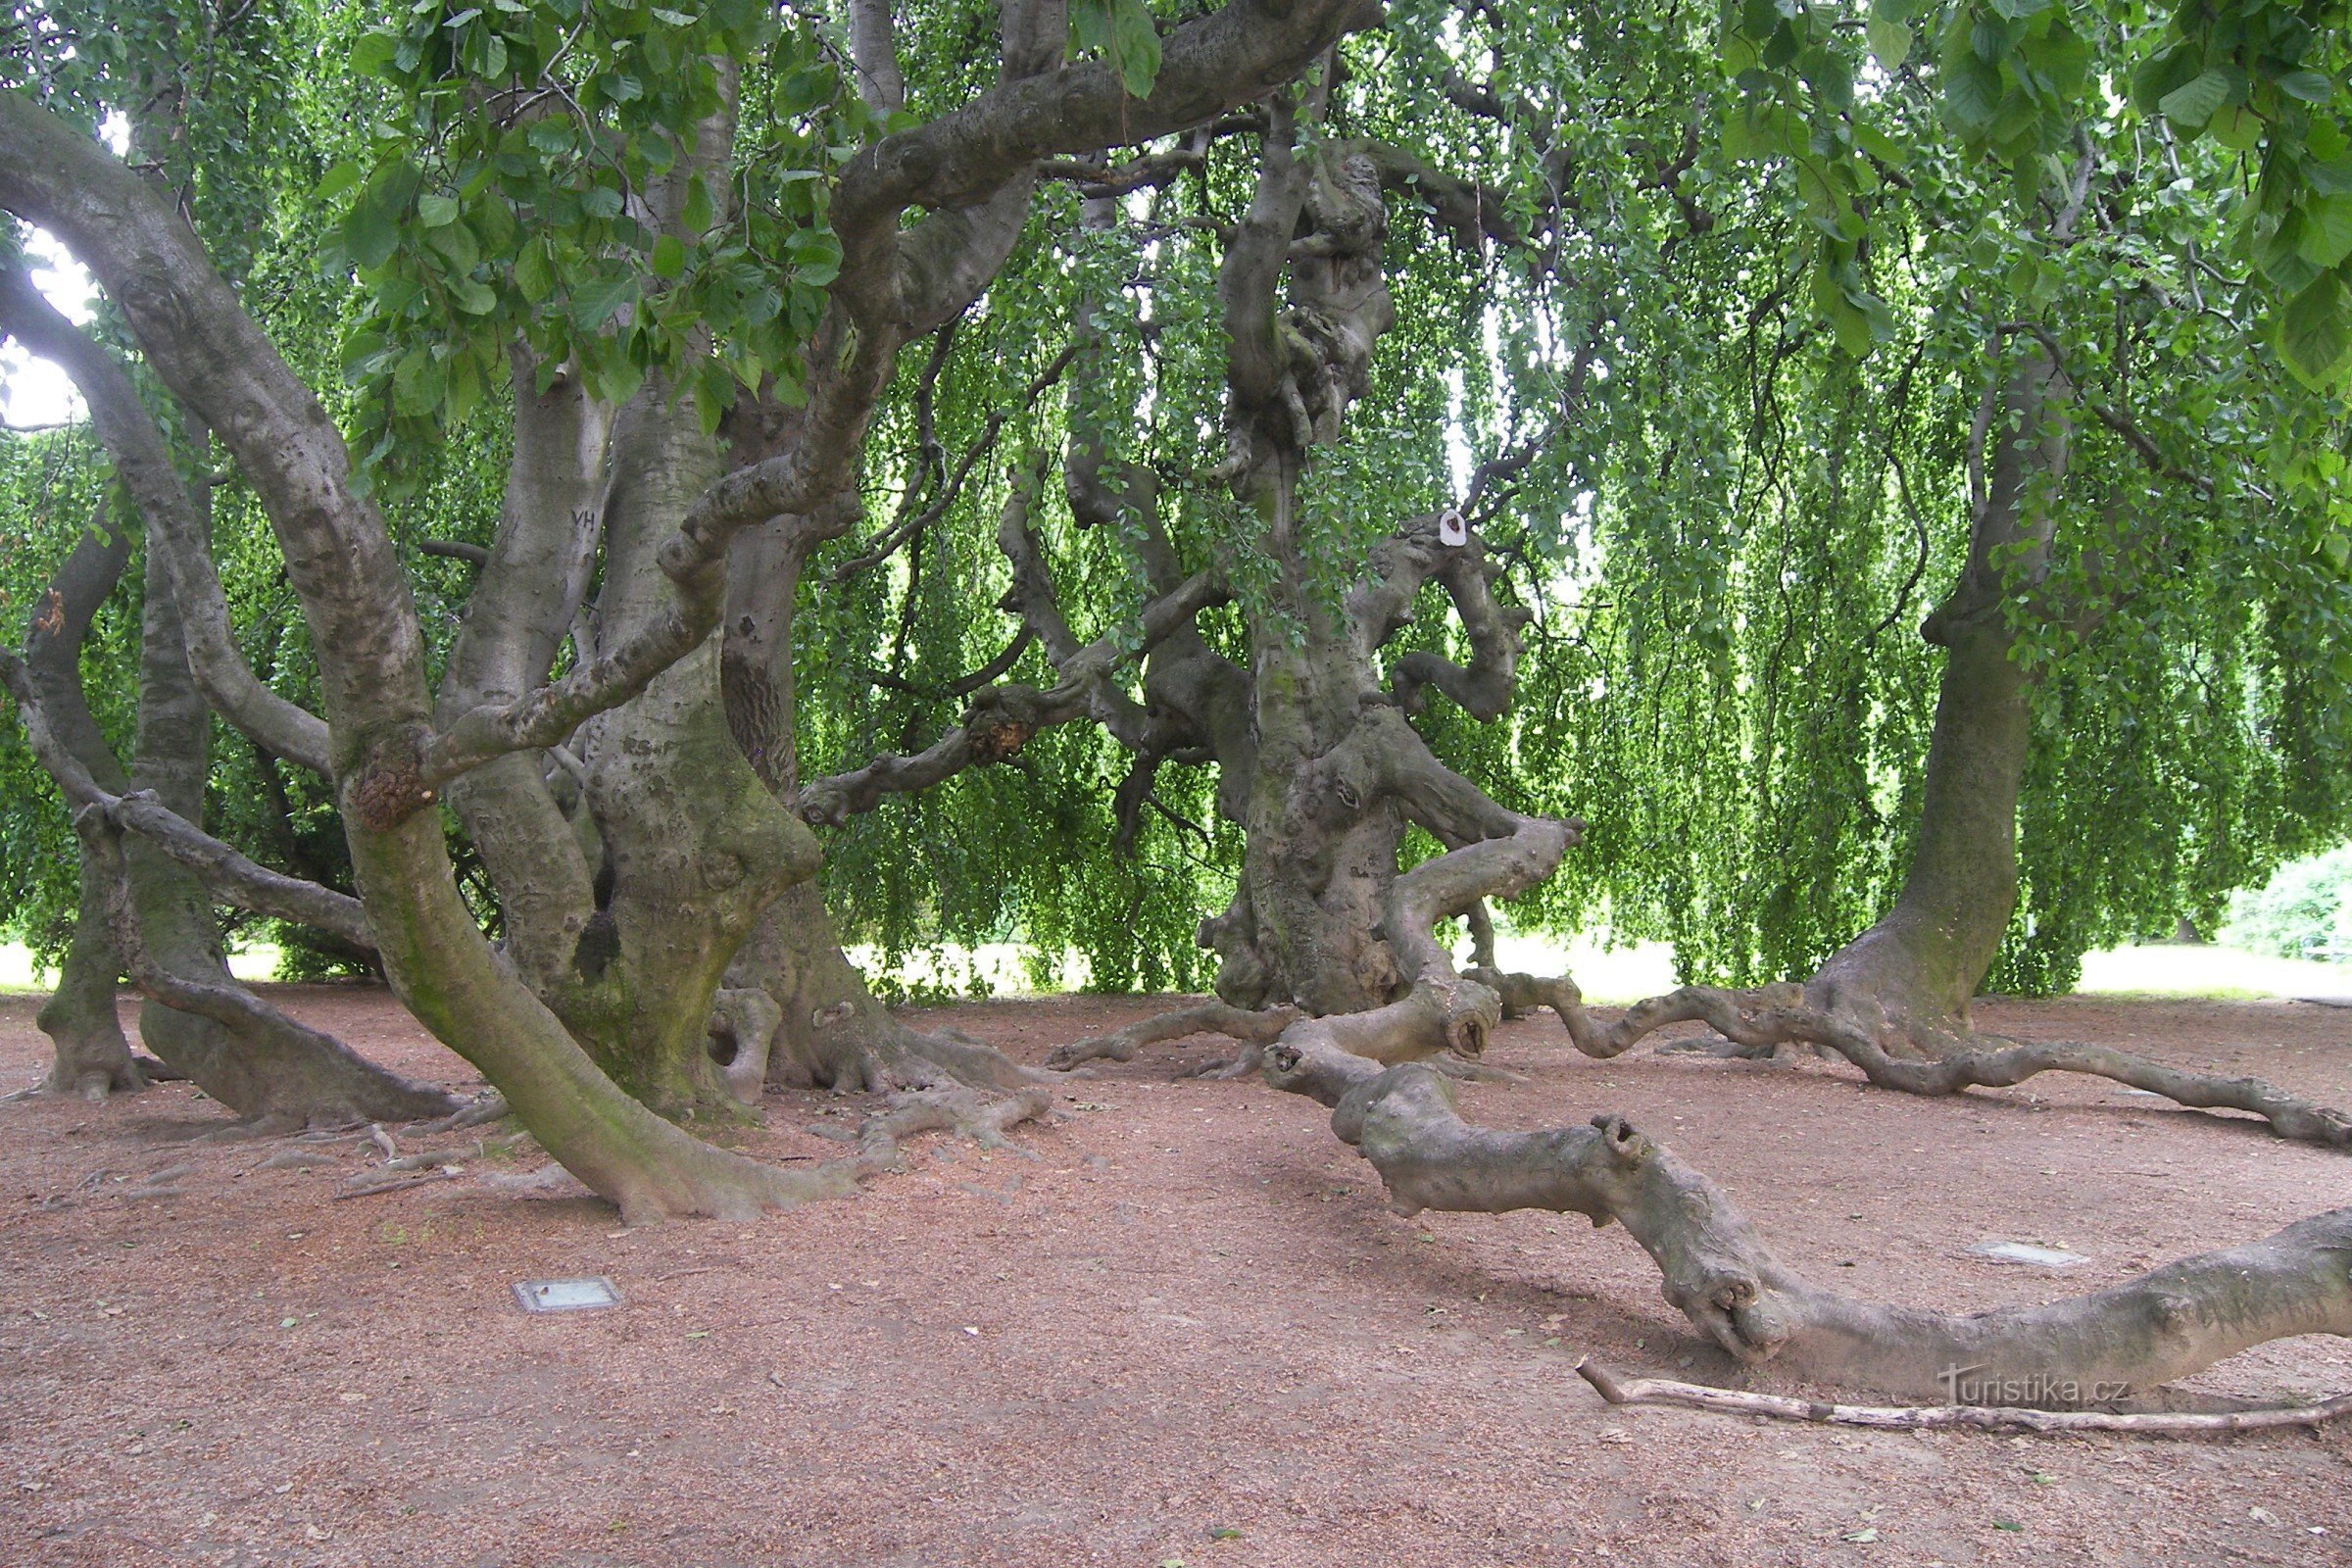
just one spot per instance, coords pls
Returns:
(2093, 1349)
(1757, 1023)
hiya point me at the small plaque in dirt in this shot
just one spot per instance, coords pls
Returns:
(2027, 1253)
(565, 1296)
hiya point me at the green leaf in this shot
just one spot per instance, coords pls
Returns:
(2308, 85)
(669, 255)
(1827, 71)
(457, 246)
(597, 302)
(475, 299)
(1971, 93)
(1090, 26)
(2063, 58)
(533, 275)
(337, 181)
(2313, 335)
(373, 53)
(714, 394)
(1134, 46)
(697, 213)
(2191, 105)
(1876, 142)
(2327, 231)
(434, 211)
(2236, 127)
(815, 255)
(2331, 178)
(1852, 327)
(371, 233)
(1889, 42)
(803, 91)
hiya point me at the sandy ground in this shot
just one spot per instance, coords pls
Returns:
(1185, 1330)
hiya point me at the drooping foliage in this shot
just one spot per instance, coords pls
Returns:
(1697, 312)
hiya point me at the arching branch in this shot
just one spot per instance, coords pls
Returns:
(144, 466)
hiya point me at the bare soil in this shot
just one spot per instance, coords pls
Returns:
(1181, 1326)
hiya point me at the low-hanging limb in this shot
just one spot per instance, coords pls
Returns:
(2093, 1349)
(295, 1074)
(1757, 1023)
(220, 867)
(143, 464)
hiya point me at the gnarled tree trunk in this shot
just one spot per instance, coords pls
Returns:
(92, 1059)
(1910, 976)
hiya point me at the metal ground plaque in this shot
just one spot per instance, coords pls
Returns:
(565, 1296)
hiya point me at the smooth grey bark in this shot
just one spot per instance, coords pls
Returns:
(243, 1053)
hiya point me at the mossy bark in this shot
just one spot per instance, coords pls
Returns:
(1911, 975)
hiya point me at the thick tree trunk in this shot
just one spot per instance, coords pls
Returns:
(794, 1010)
(92, 1057)
(695, 845)
(1926, 957)
(1910, 976)
(1317, 862)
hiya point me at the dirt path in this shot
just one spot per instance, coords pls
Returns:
(1186, 1329)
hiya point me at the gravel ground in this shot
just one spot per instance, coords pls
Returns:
(1178, 1325)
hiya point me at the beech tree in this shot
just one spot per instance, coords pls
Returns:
(1346, 469)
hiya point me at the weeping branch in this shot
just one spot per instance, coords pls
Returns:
(1002, 718)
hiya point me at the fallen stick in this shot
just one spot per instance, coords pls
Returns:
(403, 1184)
(1981, 1417)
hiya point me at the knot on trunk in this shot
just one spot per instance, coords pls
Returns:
(388, 786)
(996, 734)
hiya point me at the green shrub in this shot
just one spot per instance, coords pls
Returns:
(2305, 910)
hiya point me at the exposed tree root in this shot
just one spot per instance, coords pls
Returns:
(982, 1118)
(1758, 1023)
(2093, 1349)
(1206, 1017)
(491, 1109)
(1980, 1417)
